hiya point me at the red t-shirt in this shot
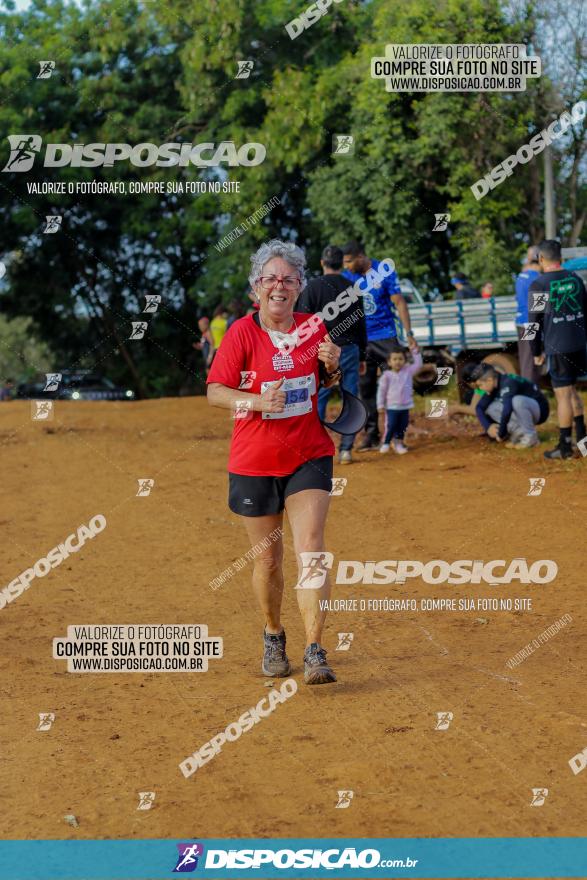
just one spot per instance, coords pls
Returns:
(247, 358)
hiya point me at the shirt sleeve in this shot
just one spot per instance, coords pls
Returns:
(536, 344)
(507, 399)
(413, 368)
(392, 284)
(480, 411)
(229, 359)
(381, 390)
(584, 300)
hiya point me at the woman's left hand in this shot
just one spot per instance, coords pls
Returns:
(329, 354)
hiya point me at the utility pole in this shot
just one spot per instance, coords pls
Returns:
(549, 205)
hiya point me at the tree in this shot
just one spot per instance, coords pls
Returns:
(22, 354)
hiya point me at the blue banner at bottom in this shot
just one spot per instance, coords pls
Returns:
(284, 858)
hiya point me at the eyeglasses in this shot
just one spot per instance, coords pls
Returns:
(289, 282)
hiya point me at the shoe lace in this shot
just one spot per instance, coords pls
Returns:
(317, 657)
(275, 649)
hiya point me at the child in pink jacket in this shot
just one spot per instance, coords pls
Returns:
(395, 398)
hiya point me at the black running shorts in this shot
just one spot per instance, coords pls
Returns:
(262, 496)
(566, 368)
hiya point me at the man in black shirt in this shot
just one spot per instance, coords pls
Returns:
(345, 325)
(557, 306)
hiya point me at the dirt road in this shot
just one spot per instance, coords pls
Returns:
(452, 497)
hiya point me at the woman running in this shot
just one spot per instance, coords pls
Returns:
(268, 370)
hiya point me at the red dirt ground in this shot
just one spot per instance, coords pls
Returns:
(453, 496)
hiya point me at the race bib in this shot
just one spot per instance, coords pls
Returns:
(298, 396)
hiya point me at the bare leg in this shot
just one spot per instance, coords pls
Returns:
(306, 512)
(577, 403)
(267, 568)
(564, 405)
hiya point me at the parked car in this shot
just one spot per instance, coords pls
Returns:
(80, 385)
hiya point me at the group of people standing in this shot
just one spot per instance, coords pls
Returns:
(551, 325)
(275, 368)
(555, 303)
(367, 335)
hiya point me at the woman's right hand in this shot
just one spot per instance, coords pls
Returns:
(273, 399)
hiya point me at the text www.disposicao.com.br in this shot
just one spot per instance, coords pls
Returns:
(134, 664)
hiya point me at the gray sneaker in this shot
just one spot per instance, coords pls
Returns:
(524, 441)
(316, 668)
(275, 663)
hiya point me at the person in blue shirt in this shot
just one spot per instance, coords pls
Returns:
(530, 271)
(378, 294)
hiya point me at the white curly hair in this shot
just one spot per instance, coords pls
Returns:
(287, 250)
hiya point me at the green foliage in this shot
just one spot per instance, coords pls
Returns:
(22, 354)
(145, 72)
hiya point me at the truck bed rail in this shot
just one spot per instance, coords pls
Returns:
(465, 324)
